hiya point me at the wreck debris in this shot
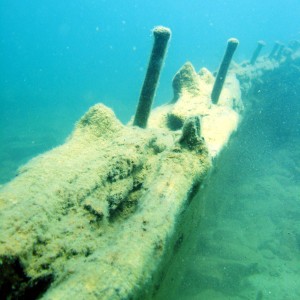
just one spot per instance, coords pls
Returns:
(161, 37)
(260, 45)
(221, 76)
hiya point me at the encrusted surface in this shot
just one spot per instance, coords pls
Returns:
(96, 213)
(192, 92)
(92, 219)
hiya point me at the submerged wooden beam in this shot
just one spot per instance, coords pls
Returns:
(96, 217)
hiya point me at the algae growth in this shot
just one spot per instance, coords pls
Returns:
(97, 217)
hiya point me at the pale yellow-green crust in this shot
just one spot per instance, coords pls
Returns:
(97, 215)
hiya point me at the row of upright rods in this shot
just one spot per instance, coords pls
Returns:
(161, 37)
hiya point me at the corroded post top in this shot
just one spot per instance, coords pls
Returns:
(262, 43)
(233, 42)
(161, 31)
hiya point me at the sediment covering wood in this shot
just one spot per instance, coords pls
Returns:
(92, 219)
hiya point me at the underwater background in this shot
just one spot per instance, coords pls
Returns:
(59, 58)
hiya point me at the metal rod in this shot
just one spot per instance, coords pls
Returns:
(161, 38)
(260, 45)
(221, 76)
